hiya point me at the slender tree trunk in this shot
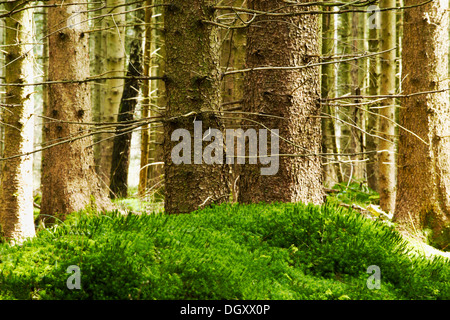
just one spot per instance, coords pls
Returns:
(122, 138)
(69, 181)
(386, 146)
(115, 65)
(292, 95)
(332, 171)
(423, 194)
(97, 45)
(16, 192)
(192, 87)
(156, 170)
(357, 115)
(372, 165)
(147, 61)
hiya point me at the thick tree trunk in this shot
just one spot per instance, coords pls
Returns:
(292, 96)
(386, 146)
(233, 53)
(16, 192)
(192, 87)
(423, 189)
(122, 138)
(69, 181)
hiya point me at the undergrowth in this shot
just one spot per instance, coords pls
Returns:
(260, 251)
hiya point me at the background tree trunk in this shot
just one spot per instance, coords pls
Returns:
(372, 124)
(386, 146)
(192, 85)
(147, 63)
(16, 192)
(155, 183)
(122, 138)
(291, 94)
(114, 48)
(423, 194)
(69, 181)
(332, 170)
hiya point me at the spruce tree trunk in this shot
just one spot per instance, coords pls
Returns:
(192, 87)
(386, 129)
(423, 188)
(372, 164)
(122, 138)
(156, 170)
(114, 49)
(233, 53)
(69, 181)
(332, 171)
(16, 192)
(291, 94)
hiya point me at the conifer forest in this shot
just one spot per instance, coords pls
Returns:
(224, 150)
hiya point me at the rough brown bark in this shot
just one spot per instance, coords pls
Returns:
(69, 181)
(192, 86)
(16, 191)
(291, 94)
(233, 53)
(423, 188)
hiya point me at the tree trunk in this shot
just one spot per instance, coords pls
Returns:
(16, 192)
(122, 138)
(69, 181)
(156, 170)
(332, 170)
(147, 62)
(192, 87)
(357, 114)
(97, 45)
(114, 48)
(386, 146)
(233, 42)
(372, 164)
(292, 95)
(423, 189)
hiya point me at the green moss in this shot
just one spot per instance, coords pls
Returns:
(259, 251)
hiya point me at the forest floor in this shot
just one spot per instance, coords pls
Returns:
(278, 251)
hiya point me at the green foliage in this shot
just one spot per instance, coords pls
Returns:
(278, 251)
(355, 193)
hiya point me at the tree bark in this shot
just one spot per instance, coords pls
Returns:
(156, 170)
(423, 188)
(16, 192)
(147, 62)
(192, 87)
(69, 181)
(372, 124)
(332, 171)
(386, 146)
(292, 95)
(114, 49)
